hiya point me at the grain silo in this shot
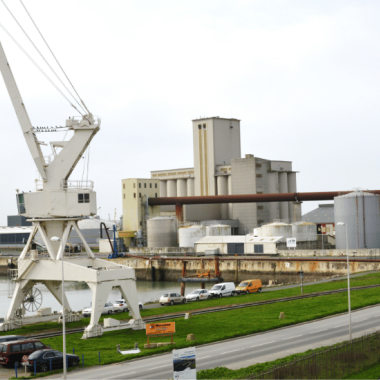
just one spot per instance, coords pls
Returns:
(162, 232)
(188, 235)
(360, 211)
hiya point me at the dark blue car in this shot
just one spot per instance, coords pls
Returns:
(43, 358)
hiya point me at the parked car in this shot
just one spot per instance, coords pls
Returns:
(171, 299)
(10, 338)
(42, 359)
(249, 286)
(121, 305)
(12, 352)
(199, 295)
(223, 289)
(108, 309)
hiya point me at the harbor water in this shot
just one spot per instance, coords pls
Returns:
(79, 294)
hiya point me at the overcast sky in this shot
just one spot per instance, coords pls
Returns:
(302, 76)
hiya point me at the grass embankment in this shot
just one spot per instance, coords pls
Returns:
(369, 279)
(370, 372)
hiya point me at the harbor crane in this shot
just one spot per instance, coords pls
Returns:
(55, 210)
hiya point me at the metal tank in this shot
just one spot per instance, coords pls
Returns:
(275, 229)
(188, 235)
(218, 230)
(360, 211)
(304, 231)
(162, 232)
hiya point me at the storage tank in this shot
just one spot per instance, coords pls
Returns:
(360, 211)
(275, 229)
(218, 230)
(304, 231)
(162, 232)
(188, 235)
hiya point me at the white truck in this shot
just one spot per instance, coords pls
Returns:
(224, 289)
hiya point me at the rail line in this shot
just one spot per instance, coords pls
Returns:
(216, 309)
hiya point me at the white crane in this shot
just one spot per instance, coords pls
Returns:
(55, 211)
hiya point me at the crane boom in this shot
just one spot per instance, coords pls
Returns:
(22, 115)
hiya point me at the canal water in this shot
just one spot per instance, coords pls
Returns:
(79, 294)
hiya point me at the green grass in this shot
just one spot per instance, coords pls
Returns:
(370, 372)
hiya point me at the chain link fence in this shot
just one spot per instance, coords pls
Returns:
(333, 363)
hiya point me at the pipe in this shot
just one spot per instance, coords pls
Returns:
(247, 198)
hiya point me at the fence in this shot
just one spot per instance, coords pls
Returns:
(333, 363)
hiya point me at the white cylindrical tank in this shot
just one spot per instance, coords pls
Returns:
(171, 188)
(181, 188)
(162, 232)
(188, 235)
(304, 231)
(190, 187)
(275, 229)
(360, 212)
(218, 230)
(163, 192)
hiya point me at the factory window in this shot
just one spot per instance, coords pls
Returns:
(144, 185)
(134, 195)
(155, 185)
(134, 185)
(139, 185)
(259, 192)
(260, 222)
(140, 224)
(139, 195)
(199, 126)
(259, 248)
(150, 185)
(156, 195)
(83, 198)
(204, 126)
(260, 207)
(258, 165)
(259, 175)
(124, 196)
(123, 185)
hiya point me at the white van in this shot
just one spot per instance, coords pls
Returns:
(223, 289)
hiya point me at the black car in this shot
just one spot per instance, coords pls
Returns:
(42, 358)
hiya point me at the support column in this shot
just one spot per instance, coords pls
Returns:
(163, 191)
(179, 212)
(222, 189)
(292, 188)
(181, 188)
(283, 187)
(171, 188)
(273, 187)
(183, 284)
(297, 212)
(190, 187)
(229, 181)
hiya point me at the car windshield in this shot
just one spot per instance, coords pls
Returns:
(244, 284)
(195, 292)
(119, 301)
(165, 295)
(36, 354)
(216, 287)
(3, 348)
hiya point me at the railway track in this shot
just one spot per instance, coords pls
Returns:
(216, 309)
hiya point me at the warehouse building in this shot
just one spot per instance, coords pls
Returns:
(220, 170)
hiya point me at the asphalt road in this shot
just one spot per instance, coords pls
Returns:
(245, 351)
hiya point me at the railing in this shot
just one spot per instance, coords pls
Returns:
(76, 184)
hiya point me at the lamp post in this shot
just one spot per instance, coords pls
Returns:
(348, 280)
(54, 238)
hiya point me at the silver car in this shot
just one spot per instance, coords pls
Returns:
(171, 299)
(198, 295)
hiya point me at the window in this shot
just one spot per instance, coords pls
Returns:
(139, 185)
(204, 126)
(123, 185)
(259, 175)
(144, 185)
(124, 196)
(134, 195)
(155, 185)
(39, 345)
(49, 355)
(260, 207)
(3, 348)
(16, 348)
(259, 248)
(258, 165)
(84, 198)
(259, 192)
(27, 346)
(134, 185)
(260, 222)
(199, 126)
(139, 195)
(140, 224)
(150, 185)
(156, 195)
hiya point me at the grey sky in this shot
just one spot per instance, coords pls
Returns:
(302, 76)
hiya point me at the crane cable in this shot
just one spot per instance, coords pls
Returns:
(30, 40)
(39, 68)
(54, 56)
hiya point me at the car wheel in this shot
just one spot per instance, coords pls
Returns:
(125, 310)
(208, 297)
(220, 295)
(197, 298)
(259, 290)
(75, 362)
(162, 304)
(43, 367)
(184, 300)
(171, 303)
(140, 307)
(109, 312)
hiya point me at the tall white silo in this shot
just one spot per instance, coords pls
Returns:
(360, 211)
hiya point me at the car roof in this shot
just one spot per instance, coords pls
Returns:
(21, 341)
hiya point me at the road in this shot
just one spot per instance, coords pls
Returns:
(245, 351)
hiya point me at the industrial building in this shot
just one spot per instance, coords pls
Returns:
(218, 170)
(323, 217)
